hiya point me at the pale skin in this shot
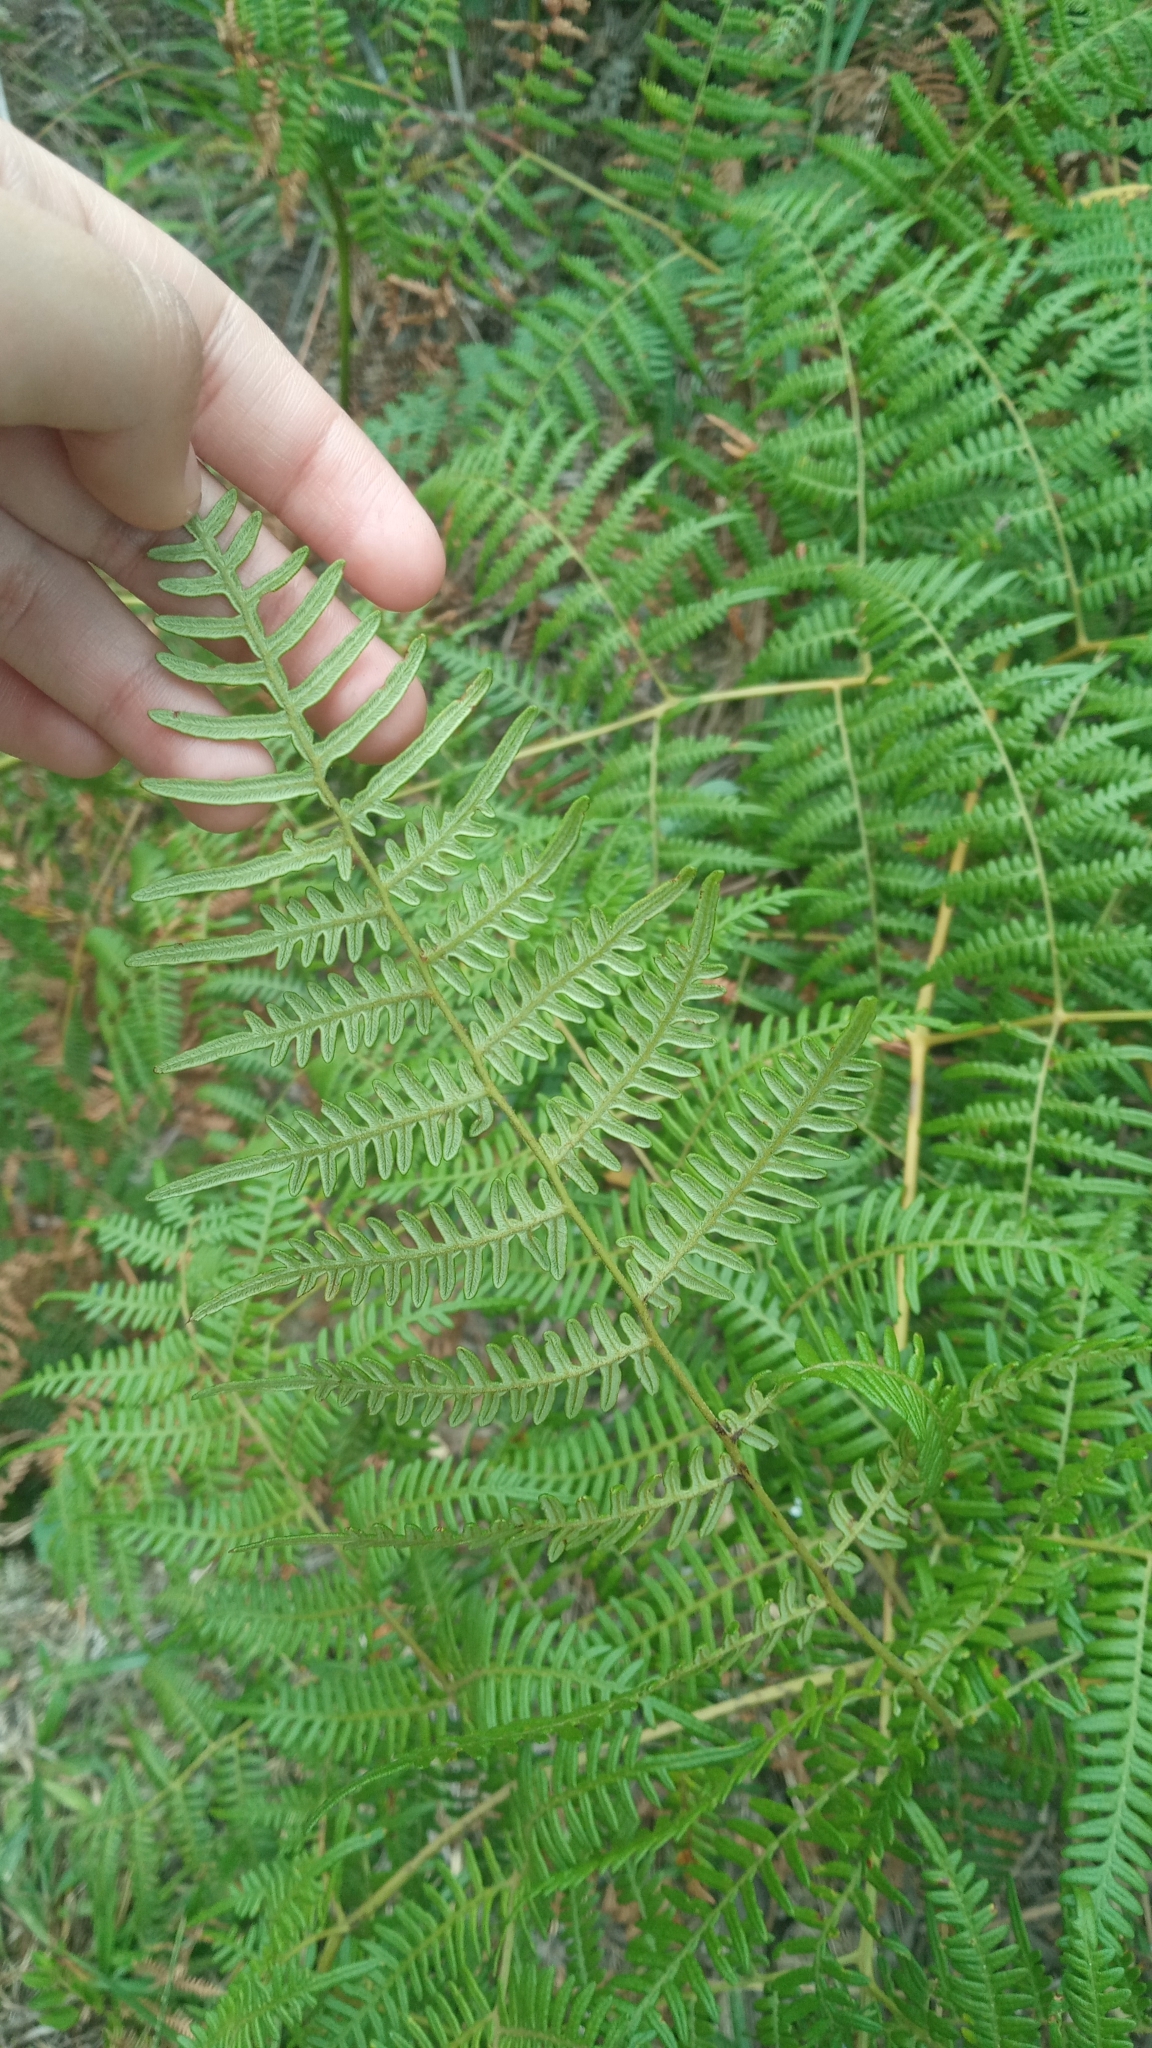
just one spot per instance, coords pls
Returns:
(125, 366)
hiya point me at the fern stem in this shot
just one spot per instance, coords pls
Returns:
(796, 1303)
(1039, 1022)
(1058, 1014)
(639, 285)
(1102, 1545)
(862, 826)
(822, 65)
(675, 707)
(1004, 110)
(1075, 597)
(866, 1949)
(763, 1696)
(641, 1309)
(654, 798)
(1037, 1108)
(492, 1802)
(1011, 1692)
(1071, 1387)
(561, 537)
(688, 126)
(97, 908)
(807, 256)
(306, 1504)
(1127, 1711)
(733, 1076)
(918, 1042)
(1022, 805)
(197, 1764)
(660, 29)
(343, 287)
(444, 1840)
(247, 610)
(568, 1033)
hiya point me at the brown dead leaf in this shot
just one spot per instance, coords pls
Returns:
(974, 22)
(289, 199)
(266, 127)
(24, 1277)
(229, 902)
(728, 175)
(624, 1912)
(737, 444)
(99, 1102)
(41, 887)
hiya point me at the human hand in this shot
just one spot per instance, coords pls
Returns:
(120, 355)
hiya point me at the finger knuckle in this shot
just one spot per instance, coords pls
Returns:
(177, 337)
(21, 583)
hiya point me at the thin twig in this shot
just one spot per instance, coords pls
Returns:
(718, 1710)
(1039, 1022)
(675, 707)
(918, 1042)
(764, 1696)
(305, 348)
(862, 828)
(654, 797)
(444, 1840)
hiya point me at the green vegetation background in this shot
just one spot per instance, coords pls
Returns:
(452, 1657)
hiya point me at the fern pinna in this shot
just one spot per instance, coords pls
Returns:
(630, 1488)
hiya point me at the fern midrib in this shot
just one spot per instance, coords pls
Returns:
(688, 128)
(807, 256)
(354, 1008)
(1007, 107)
(1029, 824)
(832, 1274)
(862, 828)
(409, 1117)
(296, 1489)
(781, 1134)
(636, 283)
(1108, 1880)
(640, 1308)
(757, 1853)
(531, 510)
(1075, 597)
(247, 610)
(624, 1078)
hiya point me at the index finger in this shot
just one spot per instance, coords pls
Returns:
(262, 421)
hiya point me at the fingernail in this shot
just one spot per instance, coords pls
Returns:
(193, 487)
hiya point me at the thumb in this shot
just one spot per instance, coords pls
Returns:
(109, 355)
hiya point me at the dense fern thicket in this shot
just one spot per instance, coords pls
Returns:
(602, 1403)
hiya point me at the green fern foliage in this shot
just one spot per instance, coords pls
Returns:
(1109, 1837)
(607, 1437)
(1100, 2005)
